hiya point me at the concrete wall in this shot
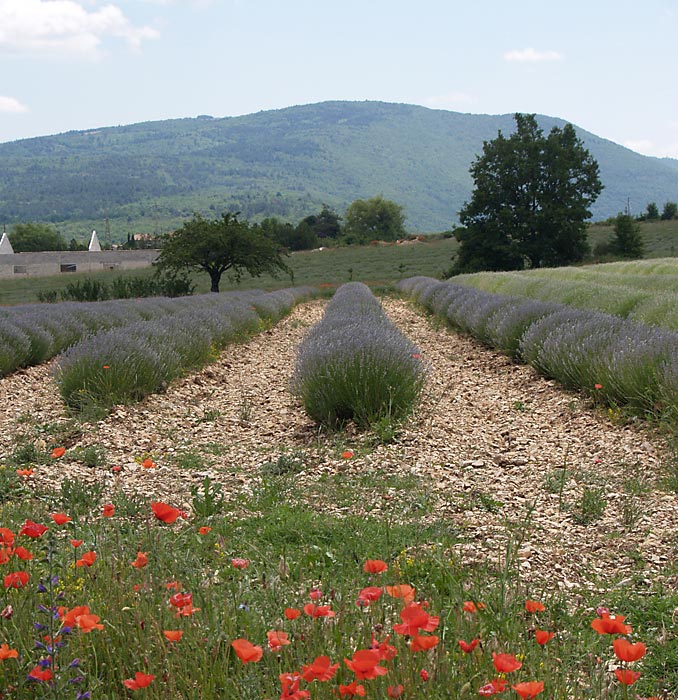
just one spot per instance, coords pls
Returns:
(64, 261)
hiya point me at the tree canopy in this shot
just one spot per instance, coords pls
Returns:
(532, 195)
(373, 219)
(31, 237)
(217, 245)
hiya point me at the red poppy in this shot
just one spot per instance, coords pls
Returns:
(58, 452)
(88, 558)
(17, 579)
(22, 553)
(7, 653)
(292, 613)
(148, 463)
(626, 677)
(204, 530)
(320, 670)
(239, 563)
(468, 647)
(529, 689)
(246, 651)
(31, 529)
(401, 591)
(69, 617)
(6, 536)
(172, 585)
(88, 622)
(369, 595)
(625, 651)
(597, 386)
(470, 607)
(365, 664)
(173, 635)
(290, 687)
(277, 639)
(164, 512)
(38, 673)
(422, 643)
(25, 472)
(542, 636)
(108, 510)
(60, 518)
(610, 624)
(505, 663)
(315, 594)
(140, 680)
(76, 543)
(375, 566)
(352, 689)
(347, 454)
(415, 618)
(423, 674)
(496, 685)
(534, 606)
(140, 561)
(116, 469)
(395, 691)
(313, 610)
(181, 600)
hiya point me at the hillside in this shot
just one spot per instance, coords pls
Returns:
(286, 163)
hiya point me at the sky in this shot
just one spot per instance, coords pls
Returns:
(607, 66)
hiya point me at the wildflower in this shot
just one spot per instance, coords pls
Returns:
(141, 560)
(470, 607)
(610, 624)
(7, 653)
(181, 600)
(369, 595)
(58, 452)
(401, 591)
(314, 611)
(416, 355)
(542, 636)
(365, 664)
(164, 512)
(148, 463)
(246, 651)
(534, 606)
(40, 674)
(468, 647)
(25, 472)
(375, 566)
(239, 563)
(31, 529)
(315, 594)
(290, 687)
(597, 386)
(22, 553)
(528, 690)
(60, 518)
(69, 617)
(352, 689)
(76, 543)
(87, 559)
(277, 639)
(292, 613)
(172, 585)
(320, 670)
(496, 685)
(7, 612)
(415, 618)
(395, 691)
(116, 469)
(347, 454)
(108, 510)
(173, 635)
(140, 680)
(423, 674)
(88, 622)
(423, 643)
(204, 530)
(626, 677)
(105, 367)
(17, 579)
(505, 663)
(625, 651)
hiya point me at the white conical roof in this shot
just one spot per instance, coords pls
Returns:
(94, 245)
(5, 245)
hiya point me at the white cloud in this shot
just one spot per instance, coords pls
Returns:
(650, 148)
(532, 56)
(11, 105)
(64, 26)
(451, 100)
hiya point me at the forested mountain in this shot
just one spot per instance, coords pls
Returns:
(283, 163)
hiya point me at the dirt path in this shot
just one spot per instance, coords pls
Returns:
(491, 439)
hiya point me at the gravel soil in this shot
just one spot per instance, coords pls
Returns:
(489, 440)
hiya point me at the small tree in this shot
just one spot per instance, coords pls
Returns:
(30, 238)
(670, 211)
(627, 241)
(214, 246)
(373, 219)
(652, 212)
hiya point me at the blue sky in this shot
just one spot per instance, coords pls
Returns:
(607, 66)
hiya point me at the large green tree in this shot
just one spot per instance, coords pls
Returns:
(531, 199)
(373, 219)
(217, 245)
(31, 237)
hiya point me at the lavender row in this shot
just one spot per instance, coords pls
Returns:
(356, 365)
(621, 362)
(128, 362)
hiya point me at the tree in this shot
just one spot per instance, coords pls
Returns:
(652, 212)
(627, 241)
(324, 225)
(531, 199)
(373, 219)
(214, 246)
(30, 238)
(669, 212)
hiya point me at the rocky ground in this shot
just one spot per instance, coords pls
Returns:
(490, 440)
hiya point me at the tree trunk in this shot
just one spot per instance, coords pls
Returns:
(216, 278)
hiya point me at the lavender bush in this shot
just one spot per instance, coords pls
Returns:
(356, 365)
(631, 363)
